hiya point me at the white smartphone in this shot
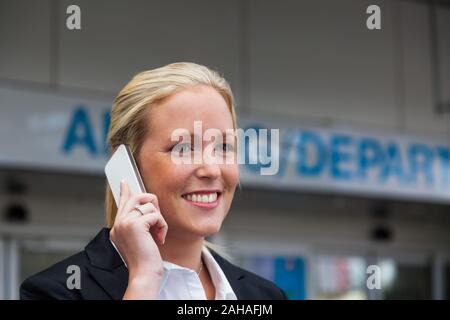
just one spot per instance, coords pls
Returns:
(122, 166)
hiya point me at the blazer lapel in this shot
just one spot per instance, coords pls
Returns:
(235, 275)
(109, 271)
(107, 268)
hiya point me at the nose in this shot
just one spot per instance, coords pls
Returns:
(210, 171)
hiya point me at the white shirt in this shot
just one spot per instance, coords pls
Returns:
(181, 283)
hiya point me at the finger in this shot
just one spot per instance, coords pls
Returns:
(151, 198)
(139, 199)
(124, 195)
(147, 208)
(157, 224)
(162, 233)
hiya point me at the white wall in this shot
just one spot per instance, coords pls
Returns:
(311, 60)
(25, 40)
(317, 59)
(119, 38)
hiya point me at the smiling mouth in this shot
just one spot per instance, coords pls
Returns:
(203, 199)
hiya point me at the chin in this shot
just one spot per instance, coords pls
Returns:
(209, 229)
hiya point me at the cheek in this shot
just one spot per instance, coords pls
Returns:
(231, 176)
(171, 180)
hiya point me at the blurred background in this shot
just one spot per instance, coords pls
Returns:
(364, 119)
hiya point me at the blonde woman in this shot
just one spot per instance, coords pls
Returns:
(154, 246)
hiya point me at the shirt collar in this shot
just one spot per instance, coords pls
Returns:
(220, 281)
(222, 286)
(224, 291)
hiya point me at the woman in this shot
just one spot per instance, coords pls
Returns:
(154, 246)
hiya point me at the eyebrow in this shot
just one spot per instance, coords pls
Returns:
(191, 134)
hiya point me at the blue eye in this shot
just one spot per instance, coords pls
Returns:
(182, 148)
(226, 147)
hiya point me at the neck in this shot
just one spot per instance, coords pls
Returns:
(183, 252)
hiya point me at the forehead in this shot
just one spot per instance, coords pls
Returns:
(183, 108)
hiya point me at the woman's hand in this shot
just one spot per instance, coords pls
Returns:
(134, 235)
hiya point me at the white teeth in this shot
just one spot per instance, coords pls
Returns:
(203, 198)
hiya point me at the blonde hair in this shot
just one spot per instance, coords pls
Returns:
(129, 114)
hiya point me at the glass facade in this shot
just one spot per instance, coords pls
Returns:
(340, 278)
(288, 272)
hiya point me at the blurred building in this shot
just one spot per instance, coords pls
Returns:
(364, 171)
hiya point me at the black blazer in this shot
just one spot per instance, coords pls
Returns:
(105, 276)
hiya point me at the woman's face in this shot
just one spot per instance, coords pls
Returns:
(176, 184)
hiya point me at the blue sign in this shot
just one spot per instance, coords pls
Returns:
(350, 161)
(80, 133)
